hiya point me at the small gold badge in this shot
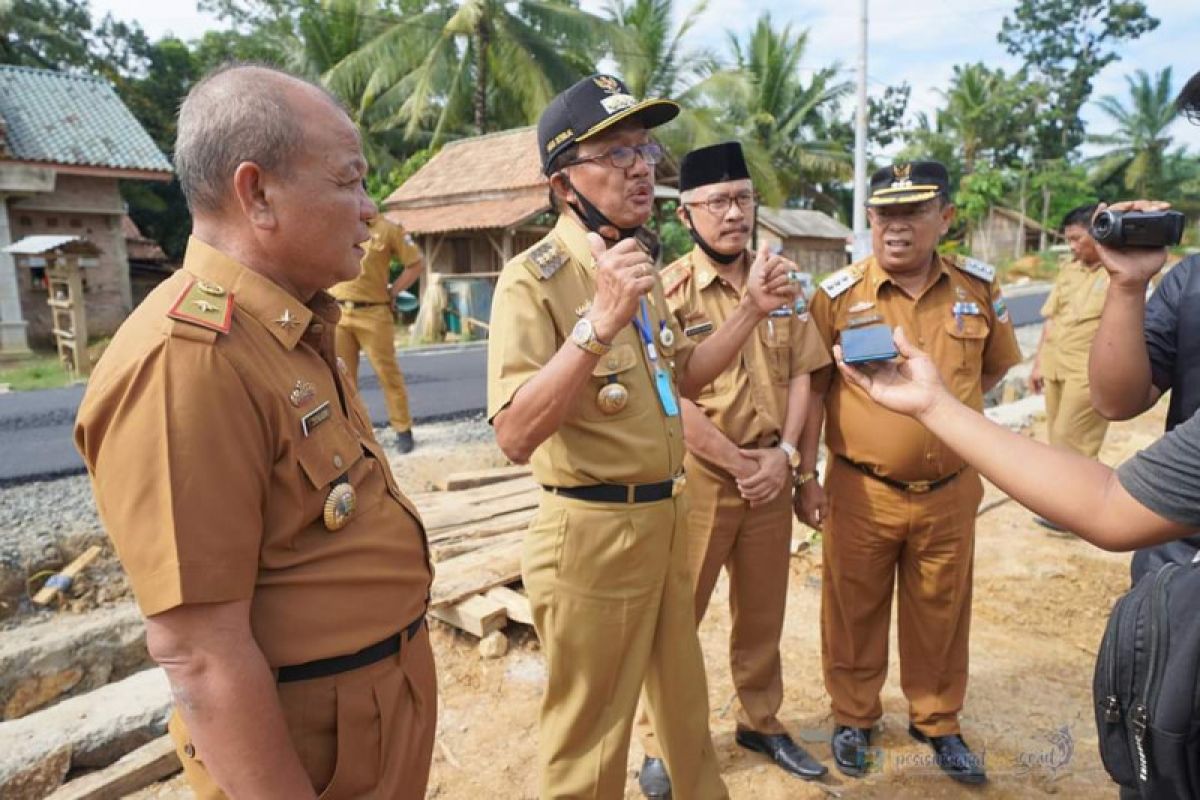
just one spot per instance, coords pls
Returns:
(286, 320)
(211, 289)
(340, 506)
(612, 398)
(901, 176)
(607, 83)
(302, 393)
(666, 337)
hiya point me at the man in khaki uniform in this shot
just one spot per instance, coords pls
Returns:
(741, 436)
(901, 505)
(283, 574)
(585, 368)
(1072, 316)
(367, 318)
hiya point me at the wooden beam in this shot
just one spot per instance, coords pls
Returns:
(149, 763)
(516, 604)
(478, 615)
(62, 580)
(469, 479)
(477, 571)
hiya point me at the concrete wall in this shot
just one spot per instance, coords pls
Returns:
(78, 206)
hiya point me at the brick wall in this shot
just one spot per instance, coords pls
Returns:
(78, 206)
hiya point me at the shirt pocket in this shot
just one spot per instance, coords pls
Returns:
(968, 335)
(775, 334)
(618, 366)
(329, 453)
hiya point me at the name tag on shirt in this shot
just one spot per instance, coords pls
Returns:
(312, 419)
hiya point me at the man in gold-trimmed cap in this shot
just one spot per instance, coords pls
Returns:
(586, 366)
(901, 505)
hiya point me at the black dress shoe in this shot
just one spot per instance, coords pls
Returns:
(653, 779)
(953, 756)
(783, 751)
(849, 746)
(404, 442)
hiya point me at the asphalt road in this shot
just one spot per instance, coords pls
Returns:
(444, 383)
(36, 428)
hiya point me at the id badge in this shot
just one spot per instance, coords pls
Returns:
(666, 395)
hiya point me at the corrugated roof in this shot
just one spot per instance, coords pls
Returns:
(802, 222)
(44, 243)
(465, 215)
(59, 118)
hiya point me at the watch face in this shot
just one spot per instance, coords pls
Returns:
(582, 332)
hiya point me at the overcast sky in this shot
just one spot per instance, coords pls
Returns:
(919, 41)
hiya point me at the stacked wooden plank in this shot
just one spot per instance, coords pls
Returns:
(475, 537)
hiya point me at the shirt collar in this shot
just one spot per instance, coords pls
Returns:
(704, 271)
(573, 237)
(278, 311)
(876, 276)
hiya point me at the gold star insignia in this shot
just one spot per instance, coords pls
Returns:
(286, 320)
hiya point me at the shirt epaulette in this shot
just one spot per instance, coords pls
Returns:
(976, 269)
(675, 277)
(546, 258)
(840, 281)
(205, 304)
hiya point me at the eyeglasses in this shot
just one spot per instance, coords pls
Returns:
(718, 205)
(625, 157)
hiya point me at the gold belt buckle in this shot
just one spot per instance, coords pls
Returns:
(347, 305)
(678, 484)
(919, 487)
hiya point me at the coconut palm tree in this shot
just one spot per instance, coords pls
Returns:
(1139, 144)
(470, 65)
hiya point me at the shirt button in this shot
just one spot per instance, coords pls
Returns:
(316, 327)
(189, 750)
(337, 461)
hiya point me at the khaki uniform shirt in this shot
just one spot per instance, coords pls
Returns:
(1074, 305)
(540, 296)
(965, 348)
(387, 241)
(212, 455)
(748, 400)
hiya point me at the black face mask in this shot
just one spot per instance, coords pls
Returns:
(720, 258)
(594, 219)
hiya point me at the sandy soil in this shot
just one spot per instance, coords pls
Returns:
(1041, 601)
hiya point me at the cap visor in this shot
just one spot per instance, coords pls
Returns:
(905, 198)
(650, 113)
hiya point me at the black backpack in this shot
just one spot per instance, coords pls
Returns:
(1146, 686)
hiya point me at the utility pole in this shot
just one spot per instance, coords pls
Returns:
(860, 139)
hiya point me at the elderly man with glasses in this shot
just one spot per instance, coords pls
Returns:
(741, 435)
(586, 366)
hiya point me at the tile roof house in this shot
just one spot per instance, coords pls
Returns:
(480, 201)
(65, 142)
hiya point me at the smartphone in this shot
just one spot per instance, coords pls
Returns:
(868, 343)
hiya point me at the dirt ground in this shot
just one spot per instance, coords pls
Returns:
(1040, 605)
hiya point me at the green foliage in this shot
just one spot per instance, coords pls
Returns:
(672, 234)
(1064, 44)
(1139, 144)
(978, 192)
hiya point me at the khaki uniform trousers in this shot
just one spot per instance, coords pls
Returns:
(874, 533)
(366, 733)
(612, 604)
(753, 544)
(371, 329)
(1071, 420)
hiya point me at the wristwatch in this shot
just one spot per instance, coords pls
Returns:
(584, 335)
(802, 478)
(792, 453)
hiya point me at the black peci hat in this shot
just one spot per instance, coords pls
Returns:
(591, 106)
(716, 163)
(915, 182)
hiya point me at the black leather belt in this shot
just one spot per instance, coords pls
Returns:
(352, 304)
(620, 492)
(336, 665)
(913, 487)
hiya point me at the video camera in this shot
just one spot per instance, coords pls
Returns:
(1121, 230)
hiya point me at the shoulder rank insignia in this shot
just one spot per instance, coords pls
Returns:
(840, 281)
(977, 269)
(546, 258)
(675, 277)
(205, 304)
